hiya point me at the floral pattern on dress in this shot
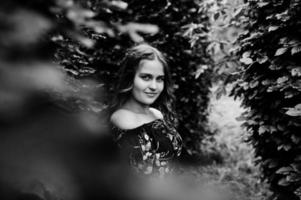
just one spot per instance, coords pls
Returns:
(150, 147)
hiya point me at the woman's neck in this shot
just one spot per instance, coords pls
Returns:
(136, 106)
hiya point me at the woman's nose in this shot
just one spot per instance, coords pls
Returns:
(153, 85)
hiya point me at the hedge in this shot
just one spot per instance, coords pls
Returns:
(270, 88)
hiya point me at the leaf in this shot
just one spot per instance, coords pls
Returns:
(57, 38)
(266, 82)
(283, 40)
(284, 170)
(72, 71)
(296, 167)
(280, 127)
(282, 16)
(272, 88)
(294, 177)
(216, 16)
(282, 79)
(295, 111)
(253, 84)
(119, 4)
(201, 69)
(281, 51)
(87, 70)
(273, 28)
(273, 129)
(296, 50)
(272, 163)
(262, 60)
(288, 95)
(246, 61)
(246, 58)
(296, 71)
(286, 147)
(275, 67)
(255, 35)
(283, 182)
(262, 129)
(262, 4)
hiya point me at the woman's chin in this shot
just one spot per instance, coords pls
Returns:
(148, 102)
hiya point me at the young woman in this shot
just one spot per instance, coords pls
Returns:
(142, 118)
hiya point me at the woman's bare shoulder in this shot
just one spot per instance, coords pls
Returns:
(124, 119)
(157, 113)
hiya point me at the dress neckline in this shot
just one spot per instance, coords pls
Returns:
(140, 126)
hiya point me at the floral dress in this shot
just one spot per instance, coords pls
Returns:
(150, 147)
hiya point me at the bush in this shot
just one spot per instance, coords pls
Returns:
(270, 88)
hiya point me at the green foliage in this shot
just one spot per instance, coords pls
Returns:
(177, 28)
(270, 89)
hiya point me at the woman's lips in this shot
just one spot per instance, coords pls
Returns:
(150, 94)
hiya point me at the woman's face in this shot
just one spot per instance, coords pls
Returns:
(148, 81)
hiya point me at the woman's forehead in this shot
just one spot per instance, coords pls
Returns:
(151, 67)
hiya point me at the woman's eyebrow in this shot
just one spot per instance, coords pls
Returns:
(150, 74)
(144, 73)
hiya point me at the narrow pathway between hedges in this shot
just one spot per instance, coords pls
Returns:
(222, 119)
(237, 175)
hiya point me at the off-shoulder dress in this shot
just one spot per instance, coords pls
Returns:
(151, 147)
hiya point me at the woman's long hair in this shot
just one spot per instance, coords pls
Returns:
(129, 66)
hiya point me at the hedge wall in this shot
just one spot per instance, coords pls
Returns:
(270, 87)
(182, 27)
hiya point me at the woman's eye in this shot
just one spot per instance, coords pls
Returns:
(160, 79)
(146, 78)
